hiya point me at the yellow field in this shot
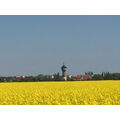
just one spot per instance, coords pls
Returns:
(61, 93)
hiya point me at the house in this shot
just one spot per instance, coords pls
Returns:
(81, 77)
(20, 77)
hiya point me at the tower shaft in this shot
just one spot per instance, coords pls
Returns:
(64, 73)
(63, 68)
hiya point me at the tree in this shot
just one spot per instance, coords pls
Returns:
(89, 73)
(97, 77)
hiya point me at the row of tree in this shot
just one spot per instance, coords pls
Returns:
(41, 77)
(106, 76)
(57, 77)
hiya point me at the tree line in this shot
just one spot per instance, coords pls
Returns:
(106, 76)
(38, 78)
(58, 77)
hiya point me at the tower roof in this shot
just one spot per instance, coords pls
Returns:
(64, 66)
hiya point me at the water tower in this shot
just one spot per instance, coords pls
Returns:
(63, 68)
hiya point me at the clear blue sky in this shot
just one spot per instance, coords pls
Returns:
(31, 45)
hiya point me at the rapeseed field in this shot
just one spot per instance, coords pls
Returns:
(60, 93)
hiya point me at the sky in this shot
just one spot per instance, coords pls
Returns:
(31, 45)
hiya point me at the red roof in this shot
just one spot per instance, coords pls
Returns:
(81, 77)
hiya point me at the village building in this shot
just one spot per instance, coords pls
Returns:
(81, 77)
